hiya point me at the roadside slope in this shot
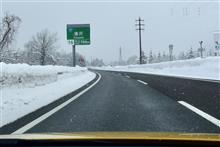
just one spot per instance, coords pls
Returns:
(25, 88)
(206, 68)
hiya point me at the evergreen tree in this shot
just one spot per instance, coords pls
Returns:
(144, 58)
(191, 54)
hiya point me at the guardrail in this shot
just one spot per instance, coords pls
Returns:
(201, 93)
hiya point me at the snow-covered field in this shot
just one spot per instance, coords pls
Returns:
(26, 88)
(206, 68)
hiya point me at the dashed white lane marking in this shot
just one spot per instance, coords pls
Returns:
(208, 117)
(127, 76)
(54, 110)
(142, 82)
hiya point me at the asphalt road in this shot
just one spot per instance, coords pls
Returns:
(119, 103)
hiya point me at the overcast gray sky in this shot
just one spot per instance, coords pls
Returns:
(113, 24)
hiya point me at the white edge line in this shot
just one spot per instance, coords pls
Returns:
(208, 117)
(142, 82)
(54, 110)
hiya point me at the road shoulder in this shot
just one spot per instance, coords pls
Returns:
(11, 127)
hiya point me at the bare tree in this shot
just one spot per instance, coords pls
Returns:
(42, 46)
(97, 62)
(8, 28)
(66, 59)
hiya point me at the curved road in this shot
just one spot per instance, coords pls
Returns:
(118, 103)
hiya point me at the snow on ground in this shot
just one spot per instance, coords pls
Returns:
(206, 68)
(26, 88)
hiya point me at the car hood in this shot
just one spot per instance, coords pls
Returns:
(116, 136)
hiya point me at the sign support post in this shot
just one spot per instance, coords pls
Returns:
(77, 34)
(74, 55)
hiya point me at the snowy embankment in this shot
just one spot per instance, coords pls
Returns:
(26, 88)
(207, 68)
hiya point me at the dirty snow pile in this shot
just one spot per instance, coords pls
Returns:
(206, 68)
(26, 88)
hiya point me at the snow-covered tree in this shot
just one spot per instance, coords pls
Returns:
(190, 54)
(97, 62)
(66, 59)
(217, 48)
(144, 57)
(42, 47)
(8, 29)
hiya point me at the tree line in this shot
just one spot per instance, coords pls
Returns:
(41, 49)
(157, 57)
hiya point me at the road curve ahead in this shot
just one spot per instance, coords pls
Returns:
(119, 103)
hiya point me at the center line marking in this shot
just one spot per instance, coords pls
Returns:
(208, 117)
(54, 110)
(142, 82)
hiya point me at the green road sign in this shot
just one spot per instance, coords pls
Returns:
(78, 34)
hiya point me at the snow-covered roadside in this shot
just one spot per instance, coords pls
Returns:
(19, 99)
(208, 68)
(24, 75)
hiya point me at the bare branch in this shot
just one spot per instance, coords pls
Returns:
(10, 25)
(44, 43)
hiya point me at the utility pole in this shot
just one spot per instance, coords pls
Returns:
(140, 25)
(120, 56)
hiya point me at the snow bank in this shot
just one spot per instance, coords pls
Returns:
(31, 76)
(26, 88)
(207, 68)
